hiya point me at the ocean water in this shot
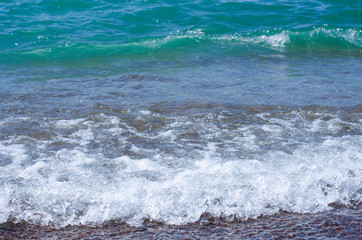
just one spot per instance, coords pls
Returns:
(169, 110)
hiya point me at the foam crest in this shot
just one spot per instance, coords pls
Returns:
(173, 167)
(349, 35)
(277, 40)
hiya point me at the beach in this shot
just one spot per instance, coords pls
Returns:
(341, 224)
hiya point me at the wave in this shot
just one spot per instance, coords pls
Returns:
(316, 40)
(175, 165)
(313, 39)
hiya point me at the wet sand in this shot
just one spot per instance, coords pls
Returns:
(341, 224)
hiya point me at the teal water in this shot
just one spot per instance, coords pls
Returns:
(50, 31)
(167, 110)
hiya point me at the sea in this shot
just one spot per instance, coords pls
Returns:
(180, 113)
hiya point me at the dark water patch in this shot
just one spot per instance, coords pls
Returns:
(273, 80)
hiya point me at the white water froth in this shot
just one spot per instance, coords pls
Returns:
(77, 186)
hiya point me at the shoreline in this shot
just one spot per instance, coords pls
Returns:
(342, 223)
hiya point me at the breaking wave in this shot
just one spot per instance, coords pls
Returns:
(316, 40)
(173, 165)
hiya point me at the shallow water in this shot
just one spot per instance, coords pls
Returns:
(167, 111)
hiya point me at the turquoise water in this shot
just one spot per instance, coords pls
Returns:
(166, 110)
(46, 32)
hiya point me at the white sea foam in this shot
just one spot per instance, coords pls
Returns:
(276, 40)
(189, 166)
